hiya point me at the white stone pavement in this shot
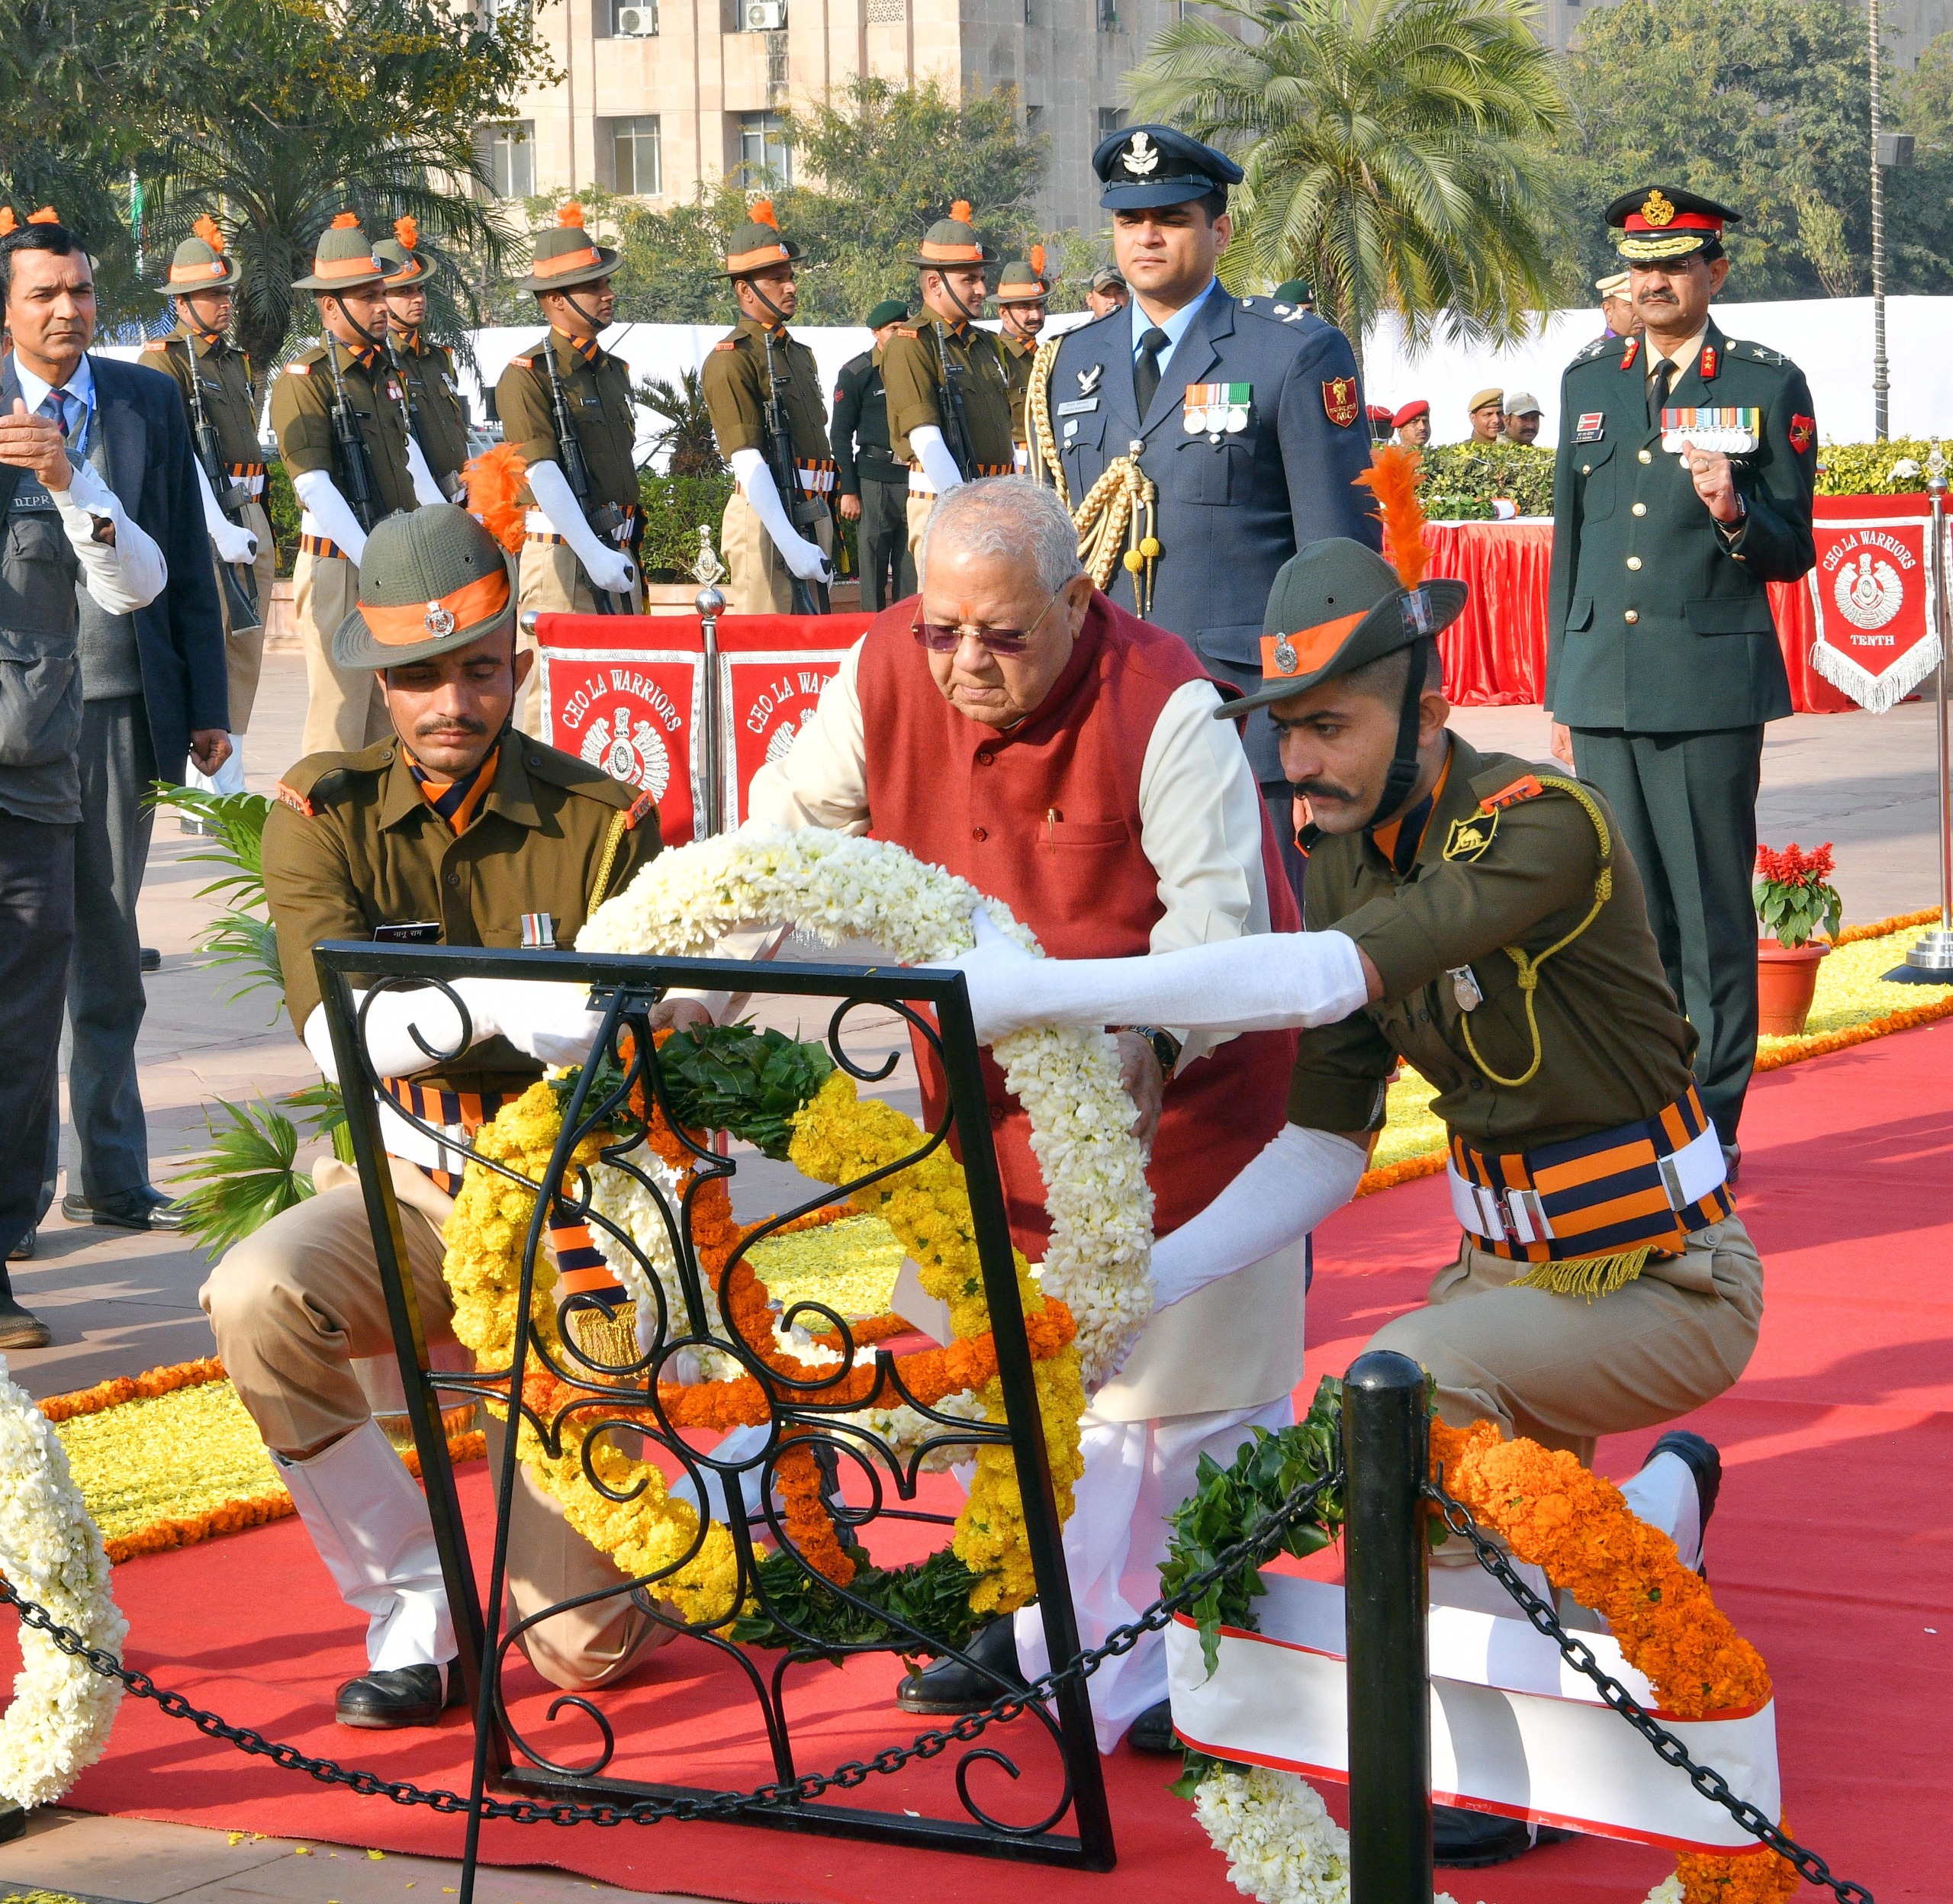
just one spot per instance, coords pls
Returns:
(118, 1303)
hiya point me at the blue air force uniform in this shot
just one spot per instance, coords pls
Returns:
(1252, 438)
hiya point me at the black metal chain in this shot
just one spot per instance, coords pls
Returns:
(1250, 1550)
(1671, 1750)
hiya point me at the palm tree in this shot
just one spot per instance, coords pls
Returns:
(1395, 151)
(688, 434)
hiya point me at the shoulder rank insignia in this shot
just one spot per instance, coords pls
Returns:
(1706, 362)
(643, 805)
(298, 370)
(1633, 351)
(1468, 837)
(1526, 787)
(296, 801)
(1804, 433)
(523, 363)
(1339, 400)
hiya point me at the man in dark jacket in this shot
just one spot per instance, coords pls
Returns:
(874, 487)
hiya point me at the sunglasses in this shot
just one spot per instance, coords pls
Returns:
(940, 639)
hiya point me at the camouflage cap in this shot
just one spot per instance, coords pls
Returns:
(566, 255)
(953, 241)
(1336, 606)
(200, 263)
(344, 260)
(403, 264)
(430, 579)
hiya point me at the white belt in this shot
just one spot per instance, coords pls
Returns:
(1519, 1216)
(816, 482)
(253, 485)
(919, 485)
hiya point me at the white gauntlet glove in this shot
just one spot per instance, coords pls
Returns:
(926, 440)
(548, 1020)
(803, 558)
(608, 568)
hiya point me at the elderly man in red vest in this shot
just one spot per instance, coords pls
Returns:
(1015, 726)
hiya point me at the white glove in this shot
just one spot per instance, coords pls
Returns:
(426, 491)
(609, 569)
(233, 543)
(329, 514)
(926, 442)
(1284, 1193)
(803, 558)
(390, 1025)
(546, 1020)
(1269, 981)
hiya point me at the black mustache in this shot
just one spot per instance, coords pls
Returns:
(1324, 790)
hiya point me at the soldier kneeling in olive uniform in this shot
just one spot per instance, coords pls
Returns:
(457, 826)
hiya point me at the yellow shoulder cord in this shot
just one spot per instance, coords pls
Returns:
(1529, 968)
(618, 823)
(1115, 520)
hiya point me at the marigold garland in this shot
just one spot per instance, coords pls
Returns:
(1562, 1517)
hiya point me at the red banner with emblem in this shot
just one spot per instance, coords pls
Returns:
(631, 694)
(1872, 598)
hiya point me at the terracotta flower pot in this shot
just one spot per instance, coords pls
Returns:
(1786, 983)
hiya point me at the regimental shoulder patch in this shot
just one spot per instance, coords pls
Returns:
(1633, 351)
(1469, 838)
(298, 370)
(643, 806)
(1339, 400)
(523, 363)
(1526, 787)
(727, 343)
(1804, 433)
(157, 343)
(289, 796)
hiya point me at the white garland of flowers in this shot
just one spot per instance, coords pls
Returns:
(51, 1550)
(838, 887)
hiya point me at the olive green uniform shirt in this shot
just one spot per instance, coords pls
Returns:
(301, 414)
(912, 376)
(734, 379)
(223, 381)
(598, 391)
(353, 844)
(434, 402)
(1616, 1047)
(1015, 355)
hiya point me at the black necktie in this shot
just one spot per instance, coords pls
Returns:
(1657, 391)
(1146, 369)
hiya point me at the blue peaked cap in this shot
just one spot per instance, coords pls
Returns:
(1142, 165)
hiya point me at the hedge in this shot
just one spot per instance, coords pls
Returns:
(1459, 480)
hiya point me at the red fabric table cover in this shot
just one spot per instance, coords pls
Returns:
(1495, 652)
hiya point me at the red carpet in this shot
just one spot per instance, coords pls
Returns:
(1831, 1548)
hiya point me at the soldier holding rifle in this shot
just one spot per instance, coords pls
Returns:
(949, 402)
(436, 412)
(565, 404)
(216, 383)
(341, 419)
(763, 390)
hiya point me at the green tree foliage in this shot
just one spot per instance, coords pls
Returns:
(1918, 202)
(1394, 151)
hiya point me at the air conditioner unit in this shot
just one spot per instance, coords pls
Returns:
(636, 22)
(765, 16)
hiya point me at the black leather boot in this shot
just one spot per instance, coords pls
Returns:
(401, 1696)
(949, 1686)
(1152, 1731)
(1462, 1840)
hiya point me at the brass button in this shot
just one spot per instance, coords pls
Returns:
(1586, 469)
(1646, 456)
(1640, 509)
(1634, 561)
(1632, 615)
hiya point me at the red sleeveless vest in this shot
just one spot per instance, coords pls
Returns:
(1046, 818)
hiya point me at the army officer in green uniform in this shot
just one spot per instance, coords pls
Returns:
(458, 825)
(1682, 486)
(437, 412)
(948, 433)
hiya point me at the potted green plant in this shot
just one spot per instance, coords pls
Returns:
(1794, 898)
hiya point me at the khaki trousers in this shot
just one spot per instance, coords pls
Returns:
(296, 1302)
(920, 507)
(345, 711)
(244, 648)
(758, 581)
(549, 580)
(1563, 1371)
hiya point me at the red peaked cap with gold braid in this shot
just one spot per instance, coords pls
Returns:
(757, 244)
(1336, 605)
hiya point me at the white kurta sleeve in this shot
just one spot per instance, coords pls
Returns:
(822, 779)
(123, 575)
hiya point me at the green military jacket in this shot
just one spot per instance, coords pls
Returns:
(435, 411)
(353, 844)
(1500, 865)
(1015, 355)
(597, 388)
(912, 376)
(223, 382)
(735, 380)
(301, 413)
(1658, 621)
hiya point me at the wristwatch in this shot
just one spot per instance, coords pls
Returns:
(1166, 1046)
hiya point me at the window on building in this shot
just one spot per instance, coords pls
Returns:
(509, 156)
(637, 166)
(763, 148)
(1110, 120)
(1108, 18)
(633, 19)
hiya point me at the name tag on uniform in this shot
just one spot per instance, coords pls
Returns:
(31, 497)
(1591, 427)
(1216, 407)
(1728, 432)
(1078, 407)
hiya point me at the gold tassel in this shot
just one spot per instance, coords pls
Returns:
(1589, 1276)
(611, 1340)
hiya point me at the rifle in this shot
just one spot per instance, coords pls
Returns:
(363, 492)
(605, 518)
(240, 582)
(955, 424)
(449, 485)
(803, 511)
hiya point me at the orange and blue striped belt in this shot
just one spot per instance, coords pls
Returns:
(252, 475)
(581, 1269)
(817, 474)
(1651, 1184)
(319, 545)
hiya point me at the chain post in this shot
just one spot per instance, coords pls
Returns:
(1385, 1453)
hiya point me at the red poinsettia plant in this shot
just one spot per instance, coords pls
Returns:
(1793, 893)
